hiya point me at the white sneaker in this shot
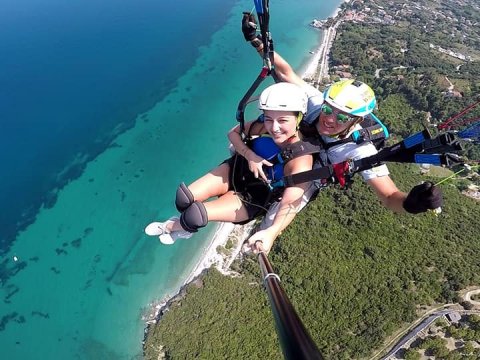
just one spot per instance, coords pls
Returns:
(159, 228)
(166, 237)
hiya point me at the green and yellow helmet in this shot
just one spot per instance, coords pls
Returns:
(351, 96)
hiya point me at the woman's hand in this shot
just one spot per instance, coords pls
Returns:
(255, 164)
(261, 239)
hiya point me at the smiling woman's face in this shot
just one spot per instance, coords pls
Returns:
(281, 125)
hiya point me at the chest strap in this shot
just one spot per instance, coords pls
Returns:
(305, 147)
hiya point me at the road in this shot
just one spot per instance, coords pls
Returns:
(468, 297)
(329, 36)
(421, 326)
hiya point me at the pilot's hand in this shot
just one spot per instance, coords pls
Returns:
(423, 197)
(249, 26)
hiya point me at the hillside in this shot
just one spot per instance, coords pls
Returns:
(355, 272)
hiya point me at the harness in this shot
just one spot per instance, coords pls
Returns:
(419, 148)
(265, 147)
(375, 132)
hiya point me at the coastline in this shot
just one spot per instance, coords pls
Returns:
(317, 68)
(211, 256)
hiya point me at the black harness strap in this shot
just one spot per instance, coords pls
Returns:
(263, 13)
(307, 146)
(418, 148)
(240, 116)
(324, 172)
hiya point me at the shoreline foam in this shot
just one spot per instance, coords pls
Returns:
(224, 232)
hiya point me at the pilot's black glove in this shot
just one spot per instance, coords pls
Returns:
(423, 197)
(249, 26)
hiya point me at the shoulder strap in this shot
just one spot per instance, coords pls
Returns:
(300, 148)
(324, 172)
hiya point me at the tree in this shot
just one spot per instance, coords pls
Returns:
(412, 354)
(468, 349)
(467, 305)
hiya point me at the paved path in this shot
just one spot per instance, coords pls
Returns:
(408, 338)
(468, 297)
(329, 36)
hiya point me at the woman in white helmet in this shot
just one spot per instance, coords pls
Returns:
(244, 186)
(335, 114)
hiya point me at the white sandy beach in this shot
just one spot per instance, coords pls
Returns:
(224, 232)
(317, 68)
(210, 255)
(318, 65)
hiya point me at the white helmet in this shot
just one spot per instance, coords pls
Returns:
(284, 97)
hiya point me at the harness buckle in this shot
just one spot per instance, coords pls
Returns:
(350, 167)
(287, 154)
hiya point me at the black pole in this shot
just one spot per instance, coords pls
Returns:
(294, 338)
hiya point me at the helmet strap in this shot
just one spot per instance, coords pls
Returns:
(294, 135)
(345, 132)
(299, 118)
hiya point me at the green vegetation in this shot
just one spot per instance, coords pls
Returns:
(412, 355)
(436, 346)
(354, 270)
(227, 318)
(410, 78)
(441, 323)
(470, 333)
(353, 281)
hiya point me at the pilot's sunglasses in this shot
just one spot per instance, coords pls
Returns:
(341, 118)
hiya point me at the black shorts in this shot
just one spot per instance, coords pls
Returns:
(254, 193)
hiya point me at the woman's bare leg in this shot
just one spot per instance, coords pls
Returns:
(214, 183)
(227, 208)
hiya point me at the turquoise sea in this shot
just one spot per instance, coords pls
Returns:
(105, 107)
